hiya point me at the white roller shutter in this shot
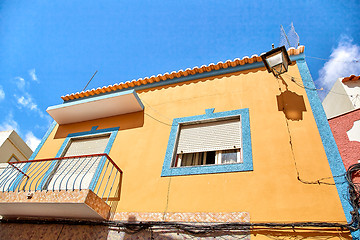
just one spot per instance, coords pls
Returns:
(210, 136)
(87, 146)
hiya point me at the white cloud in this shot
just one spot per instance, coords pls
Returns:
(20, 83)
(33, 75)
(9, 124)
(27, 102)
(2, 93)
(32, 141)
(341, 64)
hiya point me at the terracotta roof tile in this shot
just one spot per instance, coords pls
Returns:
(351, 78)
(180, 73)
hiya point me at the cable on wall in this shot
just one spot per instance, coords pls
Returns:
(203, 228)
(317, 182)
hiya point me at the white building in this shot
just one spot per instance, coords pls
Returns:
(343, 97)
(13, 148)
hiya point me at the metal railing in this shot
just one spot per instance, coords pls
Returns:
(97, 172)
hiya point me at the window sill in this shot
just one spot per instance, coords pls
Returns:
(208, 169)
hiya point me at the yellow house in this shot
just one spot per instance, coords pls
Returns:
(224, 143)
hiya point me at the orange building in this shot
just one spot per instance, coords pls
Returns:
(226, 150)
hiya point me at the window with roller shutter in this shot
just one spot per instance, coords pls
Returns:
(209, 142)
(214, 142)
(83, 167)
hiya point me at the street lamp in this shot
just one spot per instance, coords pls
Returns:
(276, 61)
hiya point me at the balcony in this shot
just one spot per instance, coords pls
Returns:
(76, 187)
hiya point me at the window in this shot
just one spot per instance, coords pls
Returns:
(77, 168)
(209, 143)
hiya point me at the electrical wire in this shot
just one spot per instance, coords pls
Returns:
(206, 228)
(167, 124)
(167, 198)
(327, 59)
(169, 184)
(156, 110)
(353, 98)
(354, 195)
(62, 228)
(300, 84)
(319, 181)
(193, 228)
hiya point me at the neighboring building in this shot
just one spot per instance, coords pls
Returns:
(225, 143)
(342, 106)
(13, 148)
(343, 97)
(346, 131)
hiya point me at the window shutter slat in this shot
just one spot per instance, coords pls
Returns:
(210, 136)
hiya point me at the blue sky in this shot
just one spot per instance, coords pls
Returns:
(52, 48)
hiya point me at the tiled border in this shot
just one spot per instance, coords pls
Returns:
(330, 147)
(75, 196)
(93, 131)
(87, 197)
(246, 165)
(183, 216)
(97, 204)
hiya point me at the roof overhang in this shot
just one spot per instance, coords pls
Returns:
(107, 105)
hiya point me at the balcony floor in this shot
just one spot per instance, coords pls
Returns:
(77, 204)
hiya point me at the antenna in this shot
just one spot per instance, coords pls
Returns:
(284, 34)
(90, 80)
(291, 39)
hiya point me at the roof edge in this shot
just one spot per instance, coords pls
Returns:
(344, 113)
(351, 78)
(196, 72)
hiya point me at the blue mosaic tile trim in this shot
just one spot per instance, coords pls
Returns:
(331, 150)
(246, 165)
(93, 131)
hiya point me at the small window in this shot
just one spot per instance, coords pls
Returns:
(209, 143)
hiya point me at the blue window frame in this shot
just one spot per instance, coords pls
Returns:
(245, 165)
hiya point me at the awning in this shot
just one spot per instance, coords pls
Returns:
(96, 107)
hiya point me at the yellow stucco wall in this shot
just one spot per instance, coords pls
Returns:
(270, 193)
